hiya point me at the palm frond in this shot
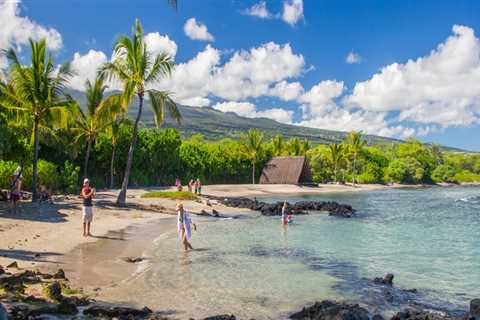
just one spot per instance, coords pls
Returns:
(162, 103)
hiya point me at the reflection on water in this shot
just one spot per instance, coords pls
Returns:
(258, 268)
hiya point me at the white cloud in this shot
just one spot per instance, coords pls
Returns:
(85, 67)
(440, 88)
(158, 44)
(249, 110)
(16, 30)
(258, 10)
(251, 73)
(292, 11)
(353, 58)
(197, 30)
(286, 91)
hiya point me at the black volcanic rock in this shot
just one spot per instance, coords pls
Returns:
(329, 310)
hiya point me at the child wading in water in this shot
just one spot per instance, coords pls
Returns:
(184, 226)
(87, 216)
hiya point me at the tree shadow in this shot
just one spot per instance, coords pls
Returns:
(44, 212)
(108, 238)
(27, 255)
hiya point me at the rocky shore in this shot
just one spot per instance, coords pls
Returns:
(300, 207)
(31, 294)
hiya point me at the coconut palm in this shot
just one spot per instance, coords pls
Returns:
(336, 156)
(96, 117)
(305, 145)
(112, 132)
(252, 141)
(356, 144)
(37, 91)
(294, 147)
(137, 70)
(278, 145)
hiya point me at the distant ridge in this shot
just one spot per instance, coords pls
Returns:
(215, 125)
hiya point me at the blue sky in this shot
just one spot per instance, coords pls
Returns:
(238, 64)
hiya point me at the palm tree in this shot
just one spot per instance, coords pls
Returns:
(113, 131)
(96, 117)
(137, 70)
(294, 147)
(37, 91)
(336, 156)
(252, 141)
(354, 140)
(277, 144)
(304, 147)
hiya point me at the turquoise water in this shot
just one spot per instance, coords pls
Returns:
(254, 267)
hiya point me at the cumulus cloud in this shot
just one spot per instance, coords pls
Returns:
(197, 30)
(353, 58)
(292, 11)
(16, 29)
(158, 44)
(258, 10)
(85, 67)
(439, 88)
(320, 110)
(286, 91)
(249, 110)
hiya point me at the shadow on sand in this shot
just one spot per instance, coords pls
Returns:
(26, 255)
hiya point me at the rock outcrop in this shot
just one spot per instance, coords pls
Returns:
(330, 310)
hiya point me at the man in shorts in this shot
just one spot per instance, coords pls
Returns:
(87, 216)
(15, 189)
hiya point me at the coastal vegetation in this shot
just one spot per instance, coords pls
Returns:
(174, 195)
(54, 136)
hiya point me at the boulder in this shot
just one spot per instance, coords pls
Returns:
(53, 291)
(66, 307)
(98, 311)
(475, 308)
(420, 315)
(330, 310)
(60, 274)
(14, 264)
(387, 279)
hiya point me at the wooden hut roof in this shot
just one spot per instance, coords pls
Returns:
(286, 170)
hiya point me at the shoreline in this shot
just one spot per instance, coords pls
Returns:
(53, 232)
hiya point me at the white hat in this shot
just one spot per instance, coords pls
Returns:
(85, 181)
(18, 172)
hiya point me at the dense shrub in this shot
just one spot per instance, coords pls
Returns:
(7, 168)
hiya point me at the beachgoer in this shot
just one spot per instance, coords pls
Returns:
(178, 184)
(87, 194)
(15, 189)
(284, 213)
(184, 226)
(198, 187)
(190, 185)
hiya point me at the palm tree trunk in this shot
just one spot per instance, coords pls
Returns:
(253, 172)
(122, 196)
(354, 171)
(335, 173)
(112, 167)
(35, 160)
(87, 156)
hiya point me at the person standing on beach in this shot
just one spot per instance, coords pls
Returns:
(285, 213)
(198, 187)
(87, 216)
(184, 226)
(15, 189)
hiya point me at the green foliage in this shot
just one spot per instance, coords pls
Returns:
(6, 171)
(175, 195)
(407, 170)
(69, 175)
(467, 177)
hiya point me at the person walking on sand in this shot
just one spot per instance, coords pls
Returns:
(87, 195)
(184, 226)
(15, 189)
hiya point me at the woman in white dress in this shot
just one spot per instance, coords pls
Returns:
(184, 226)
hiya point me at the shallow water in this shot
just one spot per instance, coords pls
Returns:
(254, 267)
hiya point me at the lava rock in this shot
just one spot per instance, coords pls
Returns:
(387, 279)
(420, 315)
(98, 311)
(53, 291)
(60, 274)
(14, 264)
(133, 260)
(66, 307)
(475, 308)
(221, 317)
(329, 310)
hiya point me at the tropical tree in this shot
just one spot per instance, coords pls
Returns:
(356, 144)
(336, 156)
(294, 147)
(305, 145)
(278, 145)
(137, 70)
(113, 131)
(96, 117)
(252, 142)
(36, 91)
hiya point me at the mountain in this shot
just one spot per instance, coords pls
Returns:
(214, 125)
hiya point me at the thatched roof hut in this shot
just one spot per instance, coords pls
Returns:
(286, 170)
